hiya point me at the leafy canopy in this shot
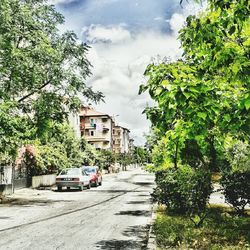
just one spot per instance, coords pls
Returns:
(204, 95)
(42, 72)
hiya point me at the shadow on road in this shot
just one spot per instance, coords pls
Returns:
(137, 239)
(135, 213)
(29, 203)
(68, 190)
(119, 244)
(116, 191)
(143, 183)
(140, 232)
(142, 195)
(138, 202)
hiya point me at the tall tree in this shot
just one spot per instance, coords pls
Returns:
(42, 72)
(205, 94)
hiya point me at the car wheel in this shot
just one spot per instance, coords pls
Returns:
(96, 183)
(81, 188)
(59, 188)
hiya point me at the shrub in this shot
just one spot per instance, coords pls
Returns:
(237, 189)
(238, 156)
(235, 178)
(184, 191)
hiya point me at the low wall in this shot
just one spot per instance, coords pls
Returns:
(43, 181)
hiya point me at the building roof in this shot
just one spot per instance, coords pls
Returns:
(88, 111)
(117, 126)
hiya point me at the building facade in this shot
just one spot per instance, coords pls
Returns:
(96, 128)
(120, 139)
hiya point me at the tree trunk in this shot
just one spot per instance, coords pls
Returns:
(176, 155)
(213, 154)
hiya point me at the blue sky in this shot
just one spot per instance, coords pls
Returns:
(125, 36)
(136, 14)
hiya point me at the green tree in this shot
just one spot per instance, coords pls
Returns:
(204, 95)
(60, 150)
(13, 130)
(106, 159)
(139, 155)
(42, 72)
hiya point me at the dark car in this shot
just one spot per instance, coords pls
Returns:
(95, 175)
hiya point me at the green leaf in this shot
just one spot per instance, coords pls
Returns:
(202, 115)
(186, 94)
(247, 104)
(158, 91)
(193, 89)
(142, 89)
(165, 83)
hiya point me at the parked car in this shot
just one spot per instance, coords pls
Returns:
(73, 178)
(95, 175)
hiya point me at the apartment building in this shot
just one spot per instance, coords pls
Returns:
(121, 139)
(96, 128)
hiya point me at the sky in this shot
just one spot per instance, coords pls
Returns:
(125, 36)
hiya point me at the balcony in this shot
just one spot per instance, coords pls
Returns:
(90, 126)
(96, 139)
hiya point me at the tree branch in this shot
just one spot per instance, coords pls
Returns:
(34, 91)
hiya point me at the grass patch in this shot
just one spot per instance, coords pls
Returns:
(221, 230)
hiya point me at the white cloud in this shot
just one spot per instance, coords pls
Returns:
(176, 22)
(120, 59)
(103, 34)
(118, 72)
(158, 18)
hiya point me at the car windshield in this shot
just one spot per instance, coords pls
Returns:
(70, 171)
(89, 170)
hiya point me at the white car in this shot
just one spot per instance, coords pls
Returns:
(73, 177)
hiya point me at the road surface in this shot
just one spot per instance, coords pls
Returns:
(114, 216)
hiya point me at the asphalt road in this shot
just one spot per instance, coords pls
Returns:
(114, 216)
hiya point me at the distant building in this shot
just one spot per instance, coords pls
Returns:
(120, 139)
(96, 128)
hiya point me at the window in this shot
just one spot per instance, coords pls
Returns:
(92, 121)
(92, 133)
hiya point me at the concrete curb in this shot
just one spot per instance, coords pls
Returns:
(151, 245)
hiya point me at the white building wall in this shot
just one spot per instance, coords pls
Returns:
(102, 138)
